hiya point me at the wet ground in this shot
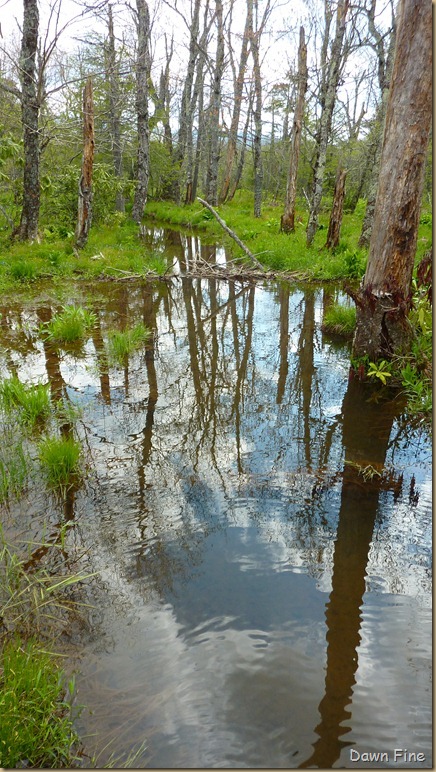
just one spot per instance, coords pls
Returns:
(261, 525)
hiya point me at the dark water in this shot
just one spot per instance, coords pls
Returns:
(262, 528)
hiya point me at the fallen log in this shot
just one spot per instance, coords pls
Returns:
(232, 234)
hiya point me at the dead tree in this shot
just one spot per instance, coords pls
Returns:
(335, 222)
(142, 116)
(288, 216)
(27, 230)
(329, 88)
(383, 301)
(84, 217)
(114, 109)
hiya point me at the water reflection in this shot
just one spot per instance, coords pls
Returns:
(240, 546)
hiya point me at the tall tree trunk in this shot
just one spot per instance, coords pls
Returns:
(384, 299)
(214, 111)
(331, 86)
(84, 217)
(142, 75)
(384, 74)
(241, 160)
(335, 223)
(114, 109)
(257, 115)
(185, 119)
(28, 227)
(288, 216)
(192, 161)
(237, 102)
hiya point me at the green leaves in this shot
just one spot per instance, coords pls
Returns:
(380, 370)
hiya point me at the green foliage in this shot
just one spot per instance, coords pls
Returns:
(14, 470)
(340, 320)
(124, 342)
(24, 271)
(59, 458)
(36, 727)
(32, 402)
(70, 325)
(380, 370)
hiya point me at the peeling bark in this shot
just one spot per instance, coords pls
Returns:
(335, 223)
(384, 299)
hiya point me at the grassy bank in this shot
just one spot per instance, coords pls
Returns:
(115, 249)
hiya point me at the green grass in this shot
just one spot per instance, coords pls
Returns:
(14, 470)
(31, 402)
(70, 325)
(60, 458)
(340, 320)
(36, 727)
(124, 342)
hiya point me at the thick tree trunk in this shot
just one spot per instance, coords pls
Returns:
(215, 110)
(384, 299)
(114, 110)
(335, 223)
(142, 75)
(28, 227)
(84, 217)
(288, 216)
(331, 86)
(239, 86)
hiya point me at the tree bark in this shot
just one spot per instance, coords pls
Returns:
(288, 216)
(84, 217)
(257, 115)
(27, 230)
(114, 110)
(142, 75)
(331, 87)
(335, 223)
(215, 110)
(239, 86)
(384, 299)
(240, 166)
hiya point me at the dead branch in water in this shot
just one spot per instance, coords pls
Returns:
(232, 234)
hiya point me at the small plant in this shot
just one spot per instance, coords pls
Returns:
(122, 343)
(340, 320)
(14, 471)
(36, 727)
(60, 461)
(354, 264)
(380, 370)
(24, 271)
(31, 402)
(70, 325)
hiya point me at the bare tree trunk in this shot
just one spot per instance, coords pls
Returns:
(257, 115)
(241, 160)
(384, 74)
(326, 117)
(239, 85)
(192, 164)
(214, 111)
(114, 110)
(335, 223)
(384, 299)
(27, 230)
(84, 217)
(142, 75)
(288, 216)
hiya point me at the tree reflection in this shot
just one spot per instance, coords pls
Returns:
(366, 432)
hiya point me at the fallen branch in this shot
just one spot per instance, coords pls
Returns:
(232, 234)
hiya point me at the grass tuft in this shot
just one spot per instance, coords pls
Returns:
(340, 320)
(124, 342)
(70, 325)
(59, 458)
(31, 402)
(32, 732)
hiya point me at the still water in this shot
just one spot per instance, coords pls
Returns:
(262, 529)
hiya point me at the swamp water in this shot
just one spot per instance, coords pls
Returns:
(262, 529)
